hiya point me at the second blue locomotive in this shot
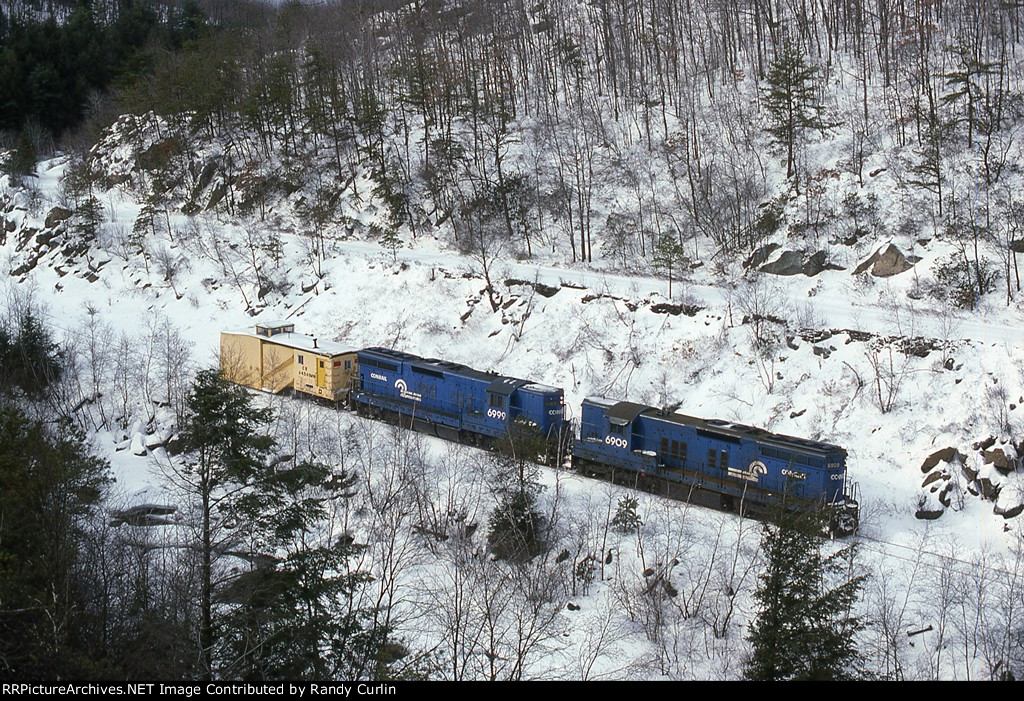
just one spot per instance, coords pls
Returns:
(713, 462)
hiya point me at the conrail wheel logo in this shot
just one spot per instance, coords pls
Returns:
(751, 474)
(404, 393)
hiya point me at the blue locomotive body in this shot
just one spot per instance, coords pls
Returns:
(714, 462)
(452, 400)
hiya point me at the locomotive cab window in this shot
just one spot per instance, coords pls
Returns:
(497, 401)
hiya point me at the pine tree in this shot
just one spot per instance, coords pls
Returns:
(791, 98)
(516, 525)
(805, 628)
(225, 447)
(669, 256)
(50, 484)
(275, 588)
(294, 616)
(30, 361)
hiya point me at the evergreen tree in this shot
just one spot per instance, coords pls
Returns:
(390, 240)
(295, 615)
(50, 484)
(516, 525)
(805, 628)
(226, 448)
(276, 597)
(30, 361)
(669, 256)
(791, 98)
(929, 170)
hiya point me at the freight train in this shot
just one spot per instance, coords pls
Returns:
(710, 462)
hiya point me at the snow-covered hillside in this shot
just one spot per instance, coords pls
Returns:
(854, 359)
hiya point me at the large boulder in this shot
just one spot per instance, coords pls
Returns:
(761, 255)
(886, 262)
(789, 262)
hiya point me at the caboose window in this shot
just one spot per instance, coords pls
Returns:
(300, 360)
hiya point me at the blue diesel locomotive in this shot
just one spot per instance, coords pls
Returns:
(454, 401)
(713, 462)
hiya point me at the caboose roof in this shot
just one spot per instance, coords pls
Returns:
(299, 341)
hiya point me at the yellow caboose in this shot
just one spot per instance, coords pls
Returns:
(274, 358)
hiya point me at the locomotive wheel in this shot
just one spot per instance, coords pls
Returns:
(727, 503)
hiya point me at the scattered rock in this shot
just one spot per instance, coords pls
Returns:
(675, 309)
(55, 216)
(1008, 512)
(984, 444)
(1004, 460)
(818, 262)
(944, 494)
(542, 289)
(789, 262)
(138, 446)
